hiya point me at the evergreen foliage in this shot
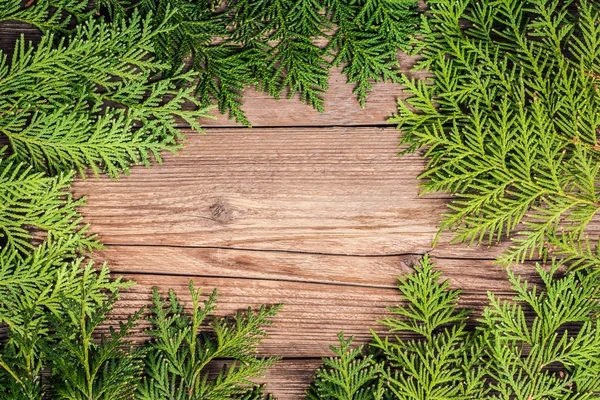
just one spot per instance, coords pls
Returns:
(50, 307)
(554, 355)
(45, 15)
(180, 351)
(510, 122)
(32, 201)
(348, 376)
(93, 99)
(274, 45)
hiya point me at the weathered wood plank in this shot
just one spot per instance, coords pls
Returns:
(323, 190)
(297, 268)
(320, 190)
(288, 378)
(316, 307)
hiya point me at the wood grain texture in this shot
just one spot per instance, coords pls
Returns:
(378, 272)
(318, 304)
(333, 190)
(319, 190)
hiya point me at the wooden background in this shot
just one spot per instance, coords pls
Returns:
(312, 210)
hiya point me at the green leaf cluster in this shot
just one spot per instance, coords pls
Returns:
(542, 343)
(93, 98)
(283, 47)
(180, 353)
(509, 122)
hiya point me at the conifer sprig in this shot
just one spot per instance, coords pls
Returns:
(31, 202)
(273, 45)
(94, 98)
(508, 354)
(33, 310)
(348, 375)
(180, 352)
(45, 15)
(510, 121)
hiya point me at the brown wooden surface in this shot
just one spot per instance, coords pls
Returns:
(322, 219)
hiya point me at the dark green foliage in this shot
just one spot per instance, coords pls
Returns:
(368, 38)
(507, 355)
(180, 353)
(511, 120)
(275, 45)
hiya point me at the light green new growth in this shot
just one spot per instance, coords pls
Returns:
(555, 355)
(179, 354)
(30, 201)
(510, 122)
(439, 361)
(427, 351)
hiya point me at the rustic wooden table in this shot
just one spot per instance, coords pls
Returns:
(312, 210)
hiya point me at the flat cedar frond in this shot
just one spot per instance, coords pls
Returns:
(34, 308)
(543, 343)
(442, 362)
(83, 367)
(94, 99)
(32, 201)
(349, 375)
(272, 45)
(369, 36)
(46, 15)
(510, 121)
(180, 352)
(555, 355)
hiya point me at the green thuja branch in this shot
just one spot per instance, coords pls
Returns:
(45, 15)
(82, 366)
(179, 356)
(510, 122)
(370, 33)
(442, 361)
(349, 375)
(32, 203)
(283, 47)
(94, 99)
(508, 354)
(35, 294)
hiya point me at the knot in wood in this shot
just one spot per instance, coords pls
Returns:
(221, 212)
